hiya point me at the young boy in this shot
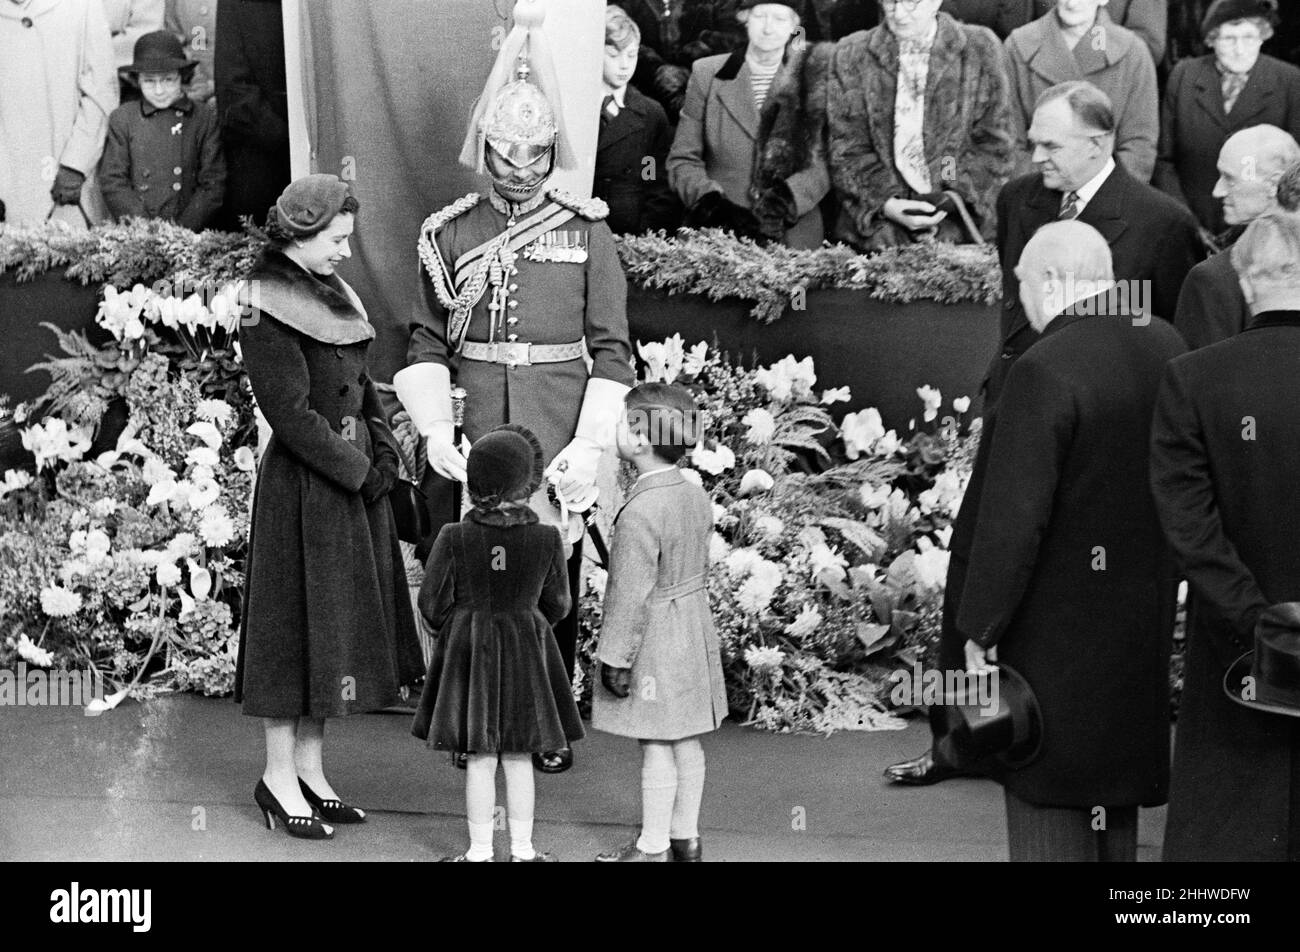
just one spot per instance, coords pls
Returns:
(660, 662)
(162, 158)
(633, 142)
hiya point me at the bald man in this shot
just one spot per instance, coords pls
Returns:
(1211, 307)
(1070, 579)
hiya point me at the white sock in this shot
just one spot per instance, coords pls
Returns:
(658, 791)
(521, 838)
(689, 757)
(480, 842)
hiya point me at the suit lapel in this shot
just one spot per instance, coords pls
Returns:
(1106, 210)
(1209, 94)
(737, 97)
(619, 127)
(1254, 98)
(1052, 59)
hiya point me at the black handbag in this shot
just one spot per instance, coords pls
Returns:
(410, 512)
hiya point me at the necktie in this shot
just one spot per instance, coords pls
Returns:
(1069, 207)
(607, 109)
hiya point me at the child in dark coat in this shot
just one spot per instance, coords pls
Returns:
(162, 157)
(497, 687)
(660, 661)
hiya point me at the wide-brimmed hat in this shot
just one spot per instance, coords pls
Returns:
(1268, 678)
(1225, 11)
(159, 52)
(504, 465)
(1013, 733)
(306, 206)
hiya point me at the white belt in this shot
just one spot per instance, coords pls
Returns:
(520, 353)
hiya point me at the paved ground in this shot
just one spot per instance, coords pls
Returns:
(173, 779)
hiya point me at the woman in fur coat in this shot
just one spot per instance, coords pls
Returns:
(748, 155)
(893, 157)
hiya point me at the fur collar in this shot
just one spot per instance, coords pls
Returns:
(793, 118)
(949, 41)
(322, 308)
(504, 517)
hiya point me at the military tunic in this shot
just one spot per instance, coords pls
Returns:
(164, 163)
(566, 286)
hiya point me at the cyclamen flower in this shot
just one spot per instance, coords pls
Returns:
(59, 602)
(836, 395)
(932, 399)
(695, 359)
(888, 444)
(931, 565)
(756, 481)
(946, 493)
(28, 651)
(822, 558)
(873, 497)
(714, 462)
(860, 431)
(215, 527)
(961, 404)
(119, 312)
(764, 659)
(787, 378)
(14, 480)
(54, 441)
(761, 424)
(663, 360)
(805, 623)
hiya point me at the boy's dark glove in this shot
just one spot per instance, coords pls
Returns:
(618, 681)
(67, 186)
(380, 479)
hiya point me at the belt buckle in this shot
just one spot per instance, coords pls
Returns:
(513, 353)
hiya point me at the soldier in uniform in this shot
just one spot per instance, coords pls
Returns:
(517, 286)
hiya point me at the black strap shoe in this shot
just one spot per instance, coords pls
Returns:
(922, 771)
(554, 761)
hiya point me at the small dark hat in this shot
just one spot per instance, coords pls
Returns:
(807, 15)
(308, 204)
(1268, 678)
(1013, 733)
(1225, 11)
(505, 465)
(159, 52)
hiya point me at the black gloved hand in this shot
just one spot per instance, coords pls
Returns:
(378, 482)
(715, 210)
(775, 210)
(66, 189)
(618, 681)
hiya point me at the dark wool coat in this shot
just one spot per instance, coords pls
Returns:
(1193, 126)
(638, 195)
(496, 582)
(248, 63)
(670, 45)
(1228, 506)
(719, 142)
(327, 624)
(551, 302)
(1211, 306)
(966, 131)
(1149, 19)
(1113, 59)
(164, 163)
(1069, 573)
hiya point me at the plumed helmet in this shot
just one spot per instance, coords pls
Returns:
(519, 122)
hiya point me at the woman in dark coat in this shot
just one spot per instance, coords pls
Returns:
(327, 625)
(1203, 105)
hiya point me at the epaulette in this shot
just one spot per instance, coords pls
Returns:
(592, 209)
(445, 214)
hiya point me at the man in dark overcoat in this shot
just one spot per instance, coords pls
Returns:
(1225, 451)
(1153, 242)
(1070, 578)
(1251, 164)
(248, 65)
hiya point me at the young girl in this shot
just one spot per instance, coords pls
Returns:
(660, 662)
(497, 688)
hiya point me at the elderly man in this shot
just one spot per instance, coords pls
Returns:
(1069, 575)
(1225, 452)
(1154, 243)
(1251, 163)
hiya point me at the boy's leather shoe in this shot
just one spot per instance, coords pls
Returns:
(628, 853)
(687, 851)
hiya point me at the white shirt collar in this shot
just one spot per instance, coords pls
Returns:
(656, 472)
(620, 95)
(1088, 189)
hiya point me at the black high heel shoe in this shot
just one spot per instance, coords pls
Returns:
(336, 811)
(303, 827)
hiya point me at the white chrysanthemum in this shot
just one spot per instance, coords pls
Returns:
(769, 527)
(718, 548)
(761, 426)
(719, 511)
(59, 602)
(183, 544)
(215, 527)
(213, 411)
(805, 623)
(931, 565)
(168, 574)
(755, 594)
(822, 558)
(765, 659)
(103, 507)
(155, 471)
(203, 456)
(28, 651)
(691, 476)
(740, 561)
